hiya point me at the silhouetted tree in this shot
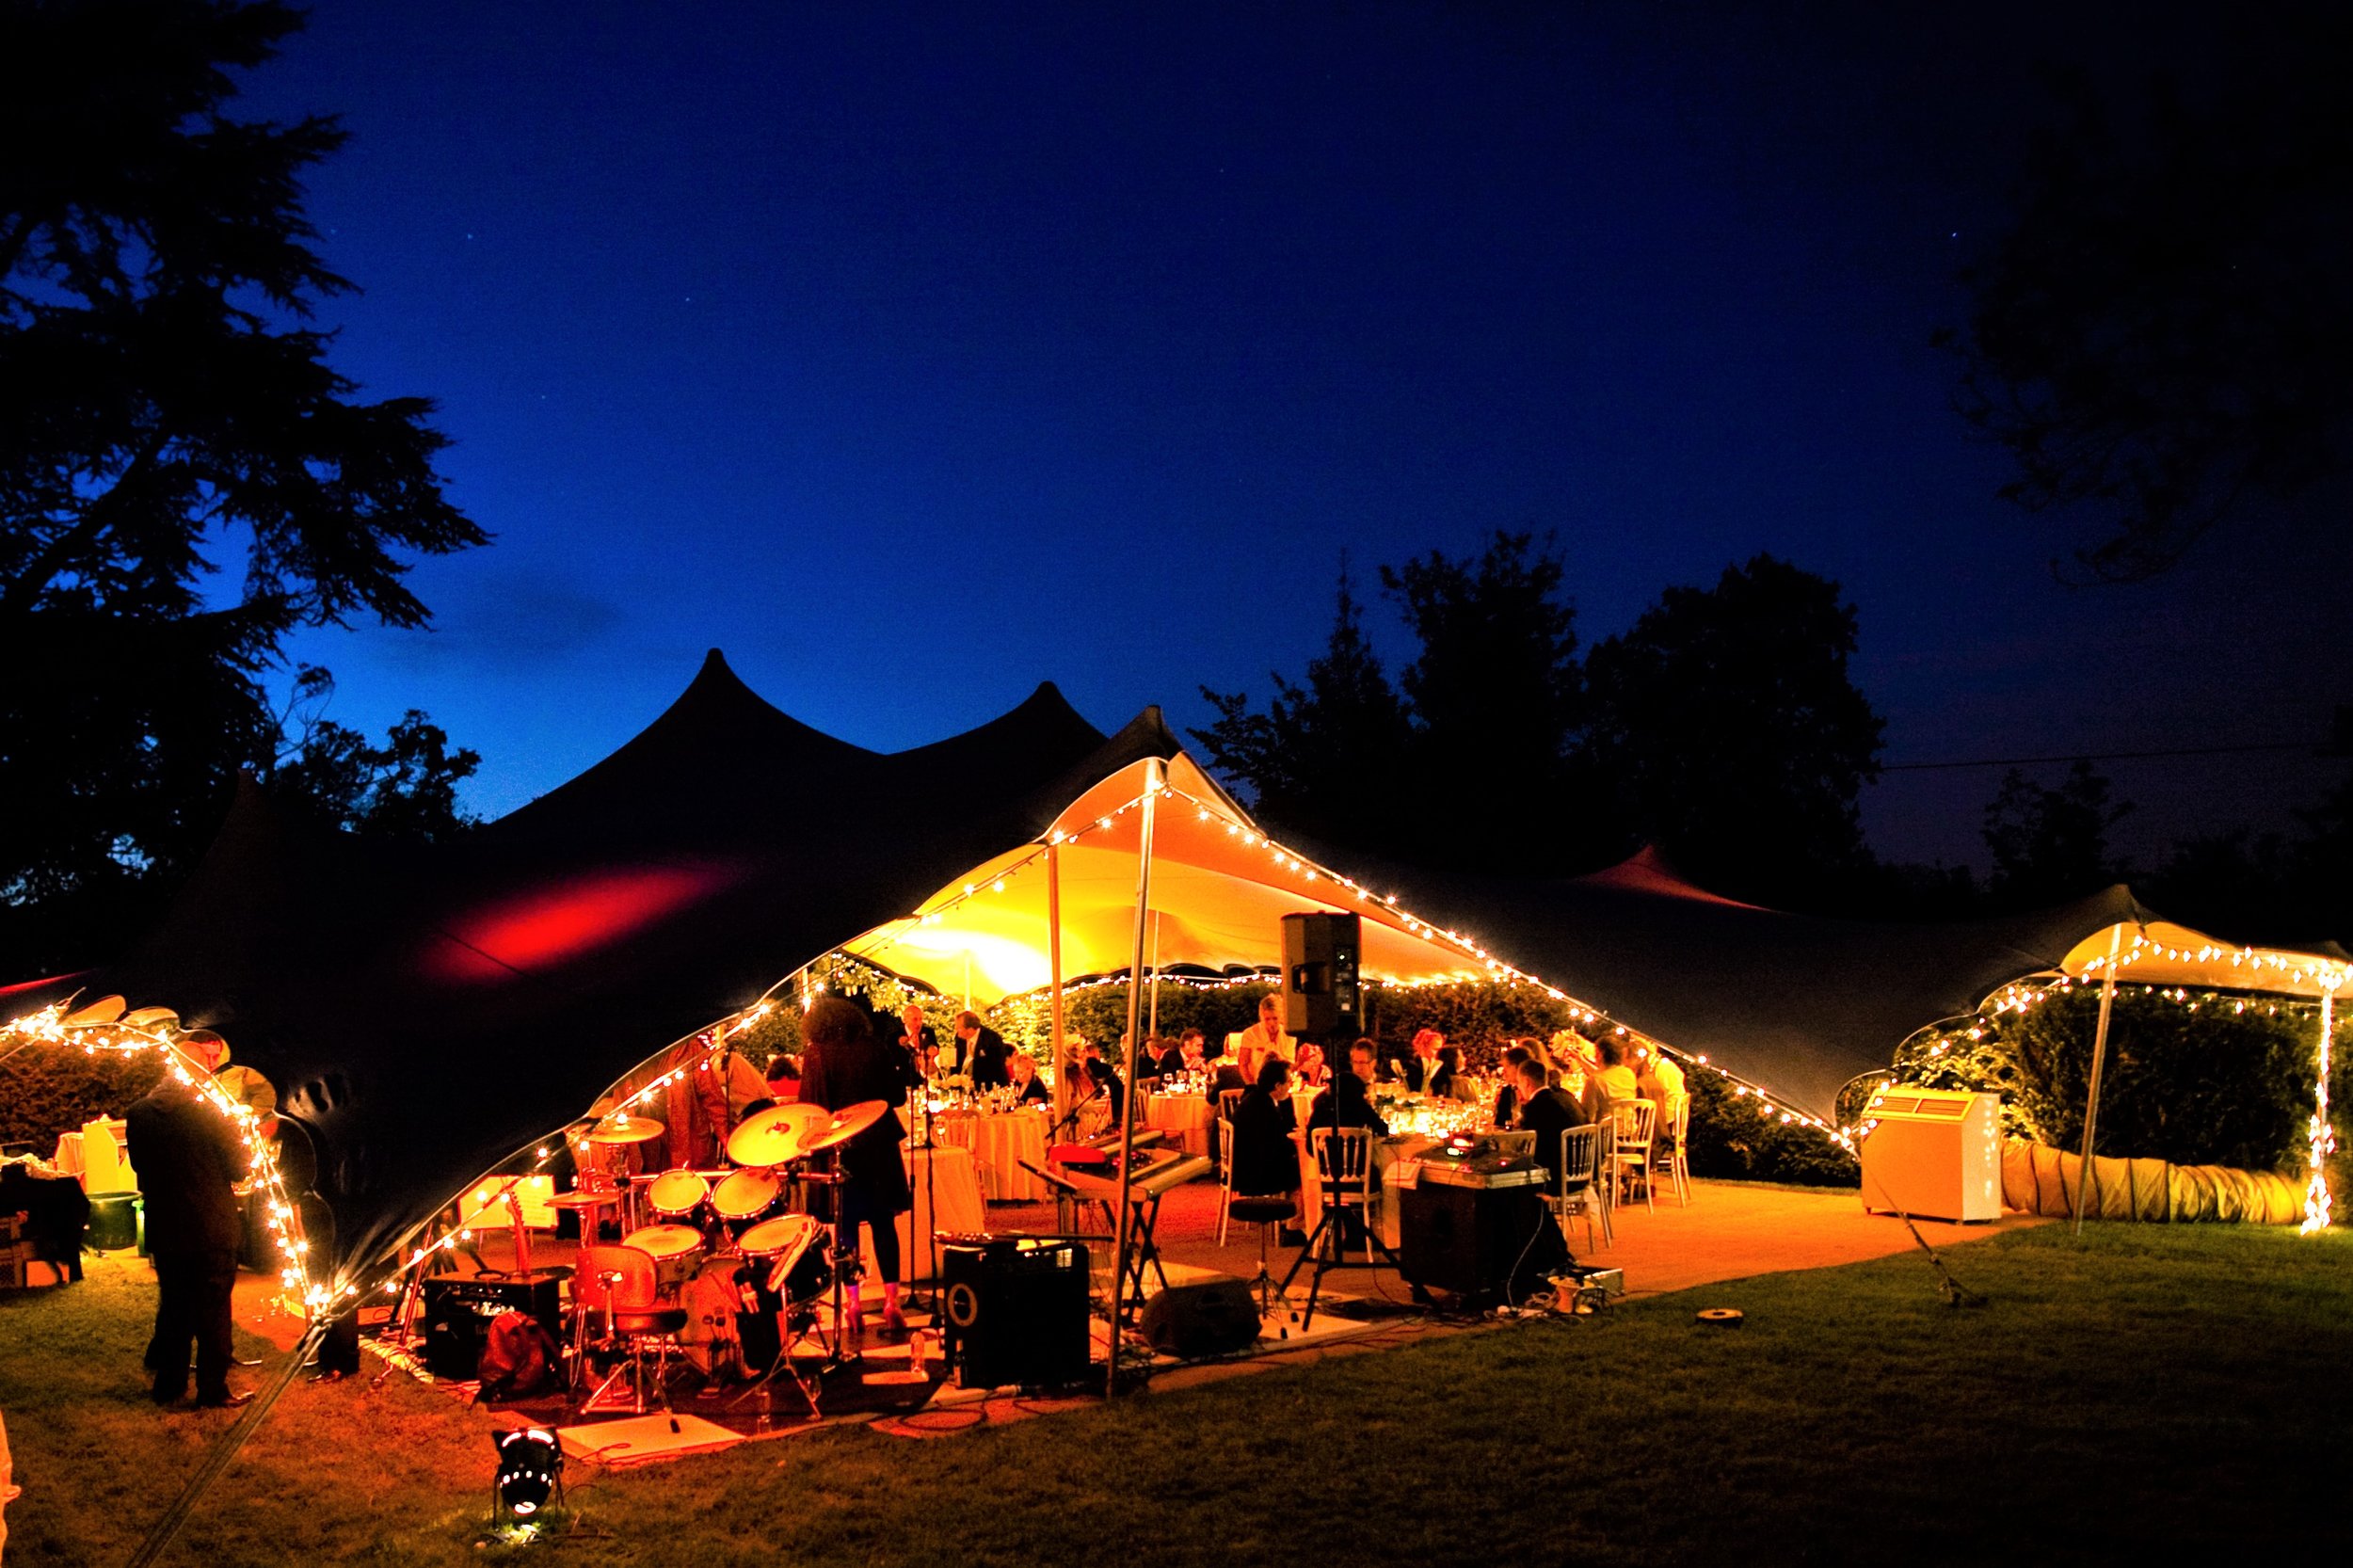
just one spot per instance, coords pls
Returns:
(2052, 844)
(402, 792)
(1495, 778)
(1735, 739)
(1323, 760)
(163, 401)
(2159, 337)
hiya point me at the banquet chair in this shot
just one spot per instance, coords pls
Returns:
(618, 1284)
(1344, 1170)
(1227, 1101)
(1577, 1184)
(1671, 1152)
(1634, 1125)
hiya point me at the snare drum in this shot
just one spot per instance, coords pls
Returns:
(744, 1195)
(797, 1269)
(676, 1193)
(675, 1249)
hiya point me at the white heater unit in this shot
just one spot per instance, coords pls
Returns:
(1936, 1154)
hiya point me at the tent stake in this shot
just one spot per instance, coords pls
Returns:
(2098, 1056)
(1128, 1107)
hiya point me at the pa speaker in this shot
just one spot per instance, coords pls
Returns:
(457, 1315)
(1321, 995)
(1190, 1320)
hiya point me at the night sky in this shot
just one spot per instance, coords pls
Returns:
(914, 356)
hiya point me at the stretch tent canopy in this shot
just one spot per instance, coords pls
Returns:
(1219, 890)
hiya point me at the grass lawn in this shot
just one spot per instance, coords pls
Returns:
(2143, 1394)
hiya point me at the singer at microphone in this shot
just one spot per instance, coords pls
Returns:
(920, 1042)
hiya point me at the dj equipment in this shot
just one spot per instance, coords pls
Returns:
(1193, 1320)
(1936, 1154)
(1481, 1244)
(1469, 1160)
(1015, 1311)
(1320, 994)
(459, 1312)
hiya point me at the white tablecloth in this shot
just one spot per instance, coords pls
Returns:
(1185, 1118)
(950, 1201)
(1000, 1141)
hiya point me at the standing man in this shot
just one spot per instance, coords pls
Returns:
(984, 1052)
(919, 1040)
(189, 1164)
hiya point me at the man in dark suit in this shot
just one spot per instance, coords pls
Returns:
(189, 1163)
(986, 1054)
(922, 1043)
(1546, 1113)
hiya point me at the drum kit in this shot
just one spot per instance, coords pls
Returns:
(750, 1221)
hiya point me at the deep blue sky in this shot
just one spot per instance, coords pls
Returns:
(917, 355)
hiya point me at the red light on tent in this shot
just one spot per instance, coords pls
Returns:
(535, 930)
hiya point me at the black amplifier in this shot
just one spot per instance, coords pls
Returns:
(1481, 1244)
(457, 1315)
(1016, 1312)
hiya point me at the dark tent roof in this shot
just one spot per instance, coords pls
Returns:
(1793, 1003)
(427, 1014)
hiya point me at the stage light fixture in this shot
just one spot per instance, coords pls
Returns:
(531, 1470)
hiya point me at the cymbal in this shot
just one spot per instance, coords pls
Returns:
(777, 1136)
(583, 1200)
(621, 1128)
(848, 1122)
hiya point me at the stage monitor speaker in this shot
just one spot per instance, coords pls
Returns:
(1481, 1245)
(1189, 1321)
(1016, 1313)
(1321, 995)
(458, 1311)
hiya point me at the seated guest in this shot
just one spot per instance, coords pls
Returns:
(1167, 1061)
(1311, 1072)
(1266, 1161)
(1229, 1075)
(1508, 1097)
(1545, 1112)
(1615, 1078)
(1363, 1061)
(1346, 1103)
(1193, 1051)
(1028, 1087)
(1103, 1080)
(784, 1079)
(1660, 1078)
(1439, 1084)
(1422, 1066)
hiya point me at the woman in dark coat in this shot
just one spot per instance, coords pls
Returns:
(843, 1065)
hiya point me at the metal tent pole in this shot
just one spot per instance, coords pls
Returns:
(1153, 1029)
(1127, 1108)
(2099, 1056)
(1053, 963)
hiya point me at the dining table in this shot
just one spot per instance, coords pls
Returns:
(1184, 1118)
(999, 1142)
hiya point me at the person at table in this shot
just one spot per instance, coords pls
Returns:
(1229, 1075)
(1310, 1071)
(1422, 1066)
(1616, 1079)
(1265, 1159)
(1364, 1061)
(1545, 1112)
(1658, 1079)
(1028, 1087)
(1508, 1097)
(189, 1161)
(1348, 1102)
(1169, 1059)
(1193, 1051)
(843, 1065)
(921, 1042)
(1264, 1037)
(1103, 1085)
(985, 1052)
(1445, 1067)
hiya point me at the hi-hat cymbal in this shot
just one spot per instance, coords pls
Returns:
(847, 1123)
(625, 1130)
(777, 1136)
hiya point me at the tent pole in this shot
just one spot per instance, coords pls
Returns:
(1154, 1028)
(1128, 1110)
(1053, 963)
(967, 980)
(2098, 1056)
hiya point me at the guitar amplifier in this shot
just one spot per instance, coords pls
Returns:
(1016, 1312)
(458, 1311)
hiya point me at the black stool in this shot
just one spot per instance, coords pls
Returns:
(1266, 1213)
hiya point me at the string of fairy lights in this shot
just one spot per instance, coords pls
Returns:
(103, 1027)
